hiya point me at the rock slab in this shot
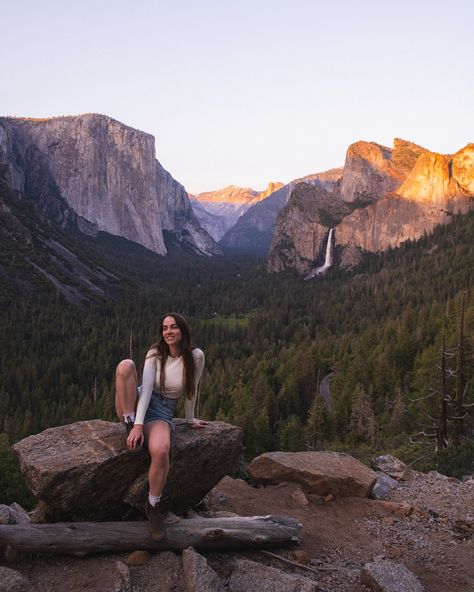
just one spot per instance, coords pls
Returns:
(383, 486)
(162, 574)
(249, 575)
(386, 576)
(198, 574)
(83, 471)
(323, 473)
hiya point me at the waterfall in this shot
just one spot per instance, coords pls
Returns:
(327, 261)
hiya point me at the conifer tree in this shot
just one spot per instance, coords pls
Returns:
(362, 416)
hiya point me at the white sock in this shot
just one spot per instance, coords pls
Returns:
(153, 499)
(129, 417)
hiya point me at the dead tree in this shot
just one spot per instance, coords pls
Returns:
(460, 382)
(442, 427)
(201, 533)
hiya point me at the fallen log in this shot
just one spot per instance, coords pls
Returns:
(200, 533)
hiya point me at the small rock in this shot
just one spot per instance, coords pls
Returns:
(382, 486)
(136, 558)
(39, 513)
(123, 578)
(300, 556)
(198, 574)
(392, 466)
(328, 498)
(388, 576)
(299, 497)
(316, 500)
(462, 530)
(18, 515)
(401, 509)
(12, 581)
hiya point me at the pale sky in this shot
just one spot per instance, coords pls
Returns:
(245, 92)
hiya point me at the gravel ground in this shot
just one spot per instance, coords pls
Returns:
(427, 525)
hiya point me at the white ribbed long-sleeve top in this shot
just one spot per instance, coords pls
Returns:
(174, 382)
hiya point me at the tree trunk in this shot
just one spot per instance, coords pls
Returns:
(460, 380)
(200, 533)
(442, 429)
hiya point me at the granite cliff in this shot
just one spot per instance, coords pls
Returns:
(385, 197)
(97, 174)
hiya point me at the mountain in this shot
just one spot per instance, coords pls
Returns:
(92, 173)
(37, 257)
(371, 170)
(253, 231)
(385, 197)
(217, 211)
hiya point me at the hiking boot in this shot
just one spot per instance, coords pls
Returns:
(156, 522)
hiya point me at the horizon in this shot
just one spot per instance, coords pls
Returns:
(249, 94)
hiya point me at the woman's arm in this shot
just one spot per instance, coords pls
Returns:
(189, 404)
(148, 383)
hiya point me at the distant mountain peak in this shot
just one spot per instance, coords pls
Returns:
(229, 194)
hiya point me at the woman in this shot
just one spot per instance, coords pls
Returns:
(172, 369)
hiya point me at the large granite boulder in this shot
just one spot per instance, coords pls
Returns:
(83, 471)
(323, 473)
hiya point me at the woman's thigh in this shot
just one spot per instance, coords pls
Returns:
(157, 435)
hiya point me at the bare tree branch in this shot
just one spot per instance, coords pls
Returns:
(425, 397)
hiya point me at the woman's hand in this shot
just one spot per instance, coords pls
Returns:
(135, 438)
(197, 423)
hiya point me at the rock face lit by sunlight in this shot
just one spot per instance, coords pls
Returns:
(385, 197)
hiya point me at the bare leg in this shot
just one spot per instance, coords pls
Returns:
(157, 434)
(126, 383)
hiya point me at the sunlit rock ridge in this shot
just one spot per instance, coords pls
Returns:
(218, 211)
(97, 174)
(384, 197)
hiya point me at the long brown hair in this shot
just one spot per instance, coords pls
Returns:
(186, 351)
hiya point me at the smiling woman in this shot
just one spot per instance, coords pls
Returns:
(173, 368)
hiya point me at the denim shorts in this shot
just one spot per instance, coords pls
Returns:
(161, 407)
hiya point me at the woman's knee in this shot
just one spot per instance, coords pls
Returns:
(125, 369)
(160, 454)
